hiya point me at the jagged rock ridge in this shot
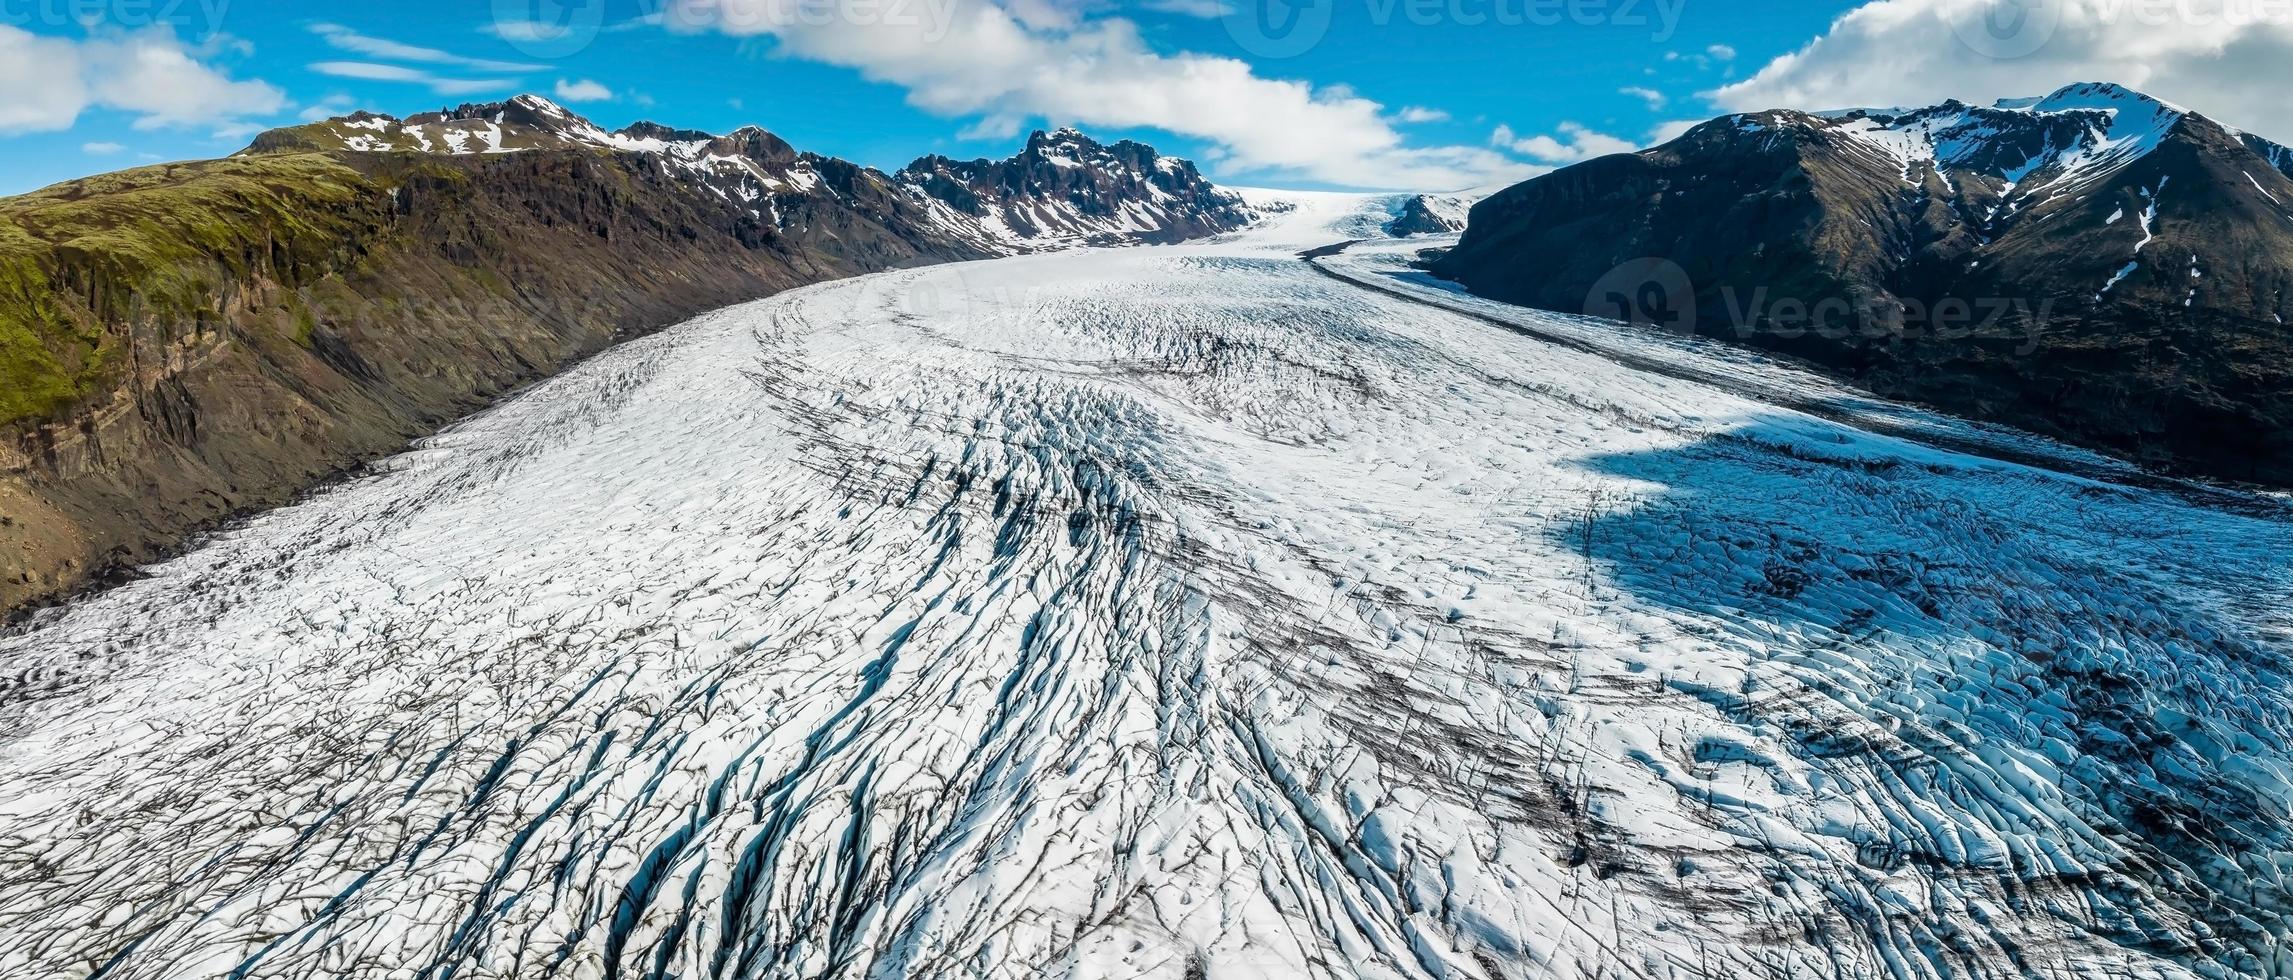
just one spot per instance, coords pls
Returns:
(1066, 186)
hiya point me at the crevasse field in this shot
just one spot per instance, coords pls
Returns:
(1173, 612)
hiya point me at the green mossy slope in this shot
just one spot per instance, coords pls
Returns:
(79, 258)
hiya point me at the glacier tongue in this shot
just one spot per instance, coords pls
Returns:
(1171, 612)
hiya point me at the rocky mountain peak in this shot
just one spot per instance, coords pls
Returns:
(2024, 149)
(1063, 136)
(756, 144)
(2108, 96)
(1061, 188)
(1063, 182)
(649, 130)
(1428, 214)
(531, 111)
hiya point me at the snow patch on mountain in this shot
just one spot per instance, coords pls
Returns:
(2061, 141)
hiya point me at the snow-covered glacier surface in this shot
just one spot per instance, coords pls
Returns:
(1173, 612)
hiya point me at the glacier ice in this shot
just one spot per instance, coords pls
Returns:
(1165, 612)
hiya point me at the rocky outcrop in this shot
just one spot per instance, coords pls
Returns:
(1425, 214)
(2095, 264)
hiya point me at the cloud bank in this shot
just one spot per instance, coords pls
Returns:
(1035, 59)
(47, 82)
(2224, 58)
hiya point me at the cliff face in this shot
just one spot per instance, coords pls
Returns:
(180, 344)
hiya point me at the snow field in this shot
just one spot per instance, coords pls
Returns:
(1168, 612)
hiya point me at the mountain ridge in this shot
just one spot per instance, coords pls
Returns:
(1059, 190)
(2136, 256)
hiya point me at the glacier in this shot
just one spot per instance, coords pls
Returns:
(1187, 612)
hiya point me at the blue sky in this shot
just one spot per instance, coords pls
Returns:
(1390, 93)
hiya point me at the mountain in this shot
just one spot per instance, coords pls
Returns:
(2094, 264)
(1061, 190)
(1064, 187)
(1428, 214)
(183, 343)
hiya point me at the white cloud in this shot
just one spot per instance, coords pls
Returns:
(45, 83)
(527, 31)
(583, 90)
(1719, 54)
(1191, 8)
(327, 108)
(40, 84)
(235, 131)
(1576, 143)
(101, 149)
(372, 72)
(523, 31)
(1036, 59)
(1655, 99)
(1421, 114)
(388, 50)
(2225, 58)
(992, 128)
(1206, 9)
(151, 74)
(415, 64)
(1666, 132)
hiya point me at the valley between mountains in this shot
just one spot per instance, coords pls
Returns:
(190, 342)
(1171, 611)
